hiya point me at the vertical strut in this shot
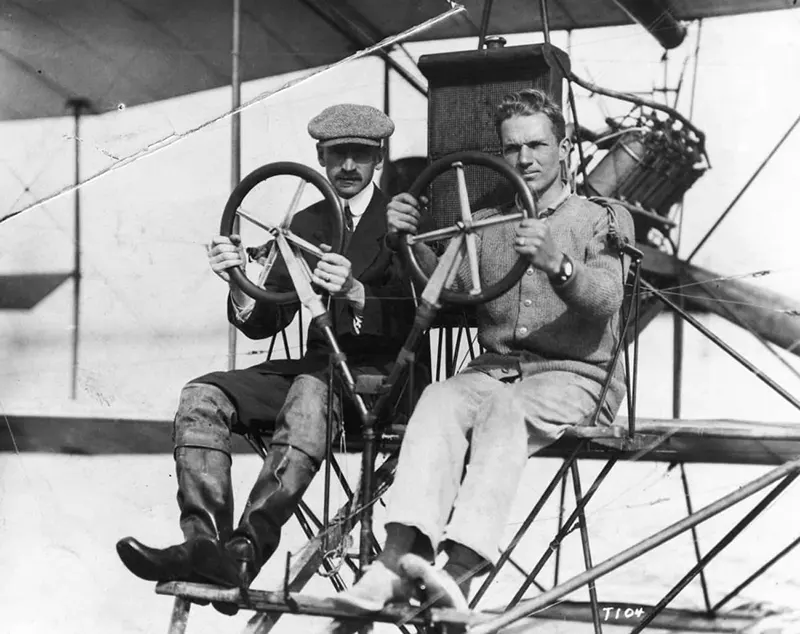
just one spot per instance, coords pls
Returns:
(78, 106)
(545, 20)
(180, 616)
(587, 554)
(236, 136)
(695, 540)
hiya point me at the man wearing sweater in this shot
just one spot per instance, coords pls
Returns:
(549, 343)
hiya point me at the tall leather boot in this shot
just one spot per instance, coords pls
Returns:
(281, 483)
(285, 475)
(205, 499)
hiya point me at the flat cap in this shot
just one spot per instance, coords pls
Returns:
(350, 123)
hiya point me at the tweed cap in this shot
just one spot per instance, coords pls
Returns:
(350, 123)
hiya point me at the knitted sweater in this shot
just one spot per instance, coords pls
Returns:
(537, 327)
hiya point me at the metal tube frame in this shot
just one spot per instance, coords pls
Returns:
(565, 529)
(695, 539)
(787, 471)
(724, 346)
(733, 593)
(78, 106)
(718, 548)
(543, 12)
(506, 554)
(236, 136)
(587, 553)
(485, 17)
(561, 501)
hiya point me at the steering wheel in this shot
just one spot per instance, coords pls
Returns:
(233, 208)
(468, 227)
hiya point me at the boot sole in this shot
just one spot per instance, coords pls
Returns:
(228, 609)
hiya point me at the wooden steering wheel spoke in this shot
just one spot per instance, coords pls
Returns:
(302, 244)
(298, 195)
(266, 268)
(301, 277)
(454, 267)
(466, 218)
(284, 237)
(253, 220)
(434, 236)
(465, 232)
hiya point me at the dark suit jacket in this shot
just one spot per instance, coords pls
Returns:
(388, 311)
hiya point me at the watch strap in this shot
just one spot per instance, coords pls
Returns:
(564, 273)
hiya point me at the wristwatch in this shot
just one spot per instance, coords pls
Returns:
(564, 273)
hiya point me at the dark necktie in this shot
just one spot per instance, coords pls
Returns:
(348, 225)
(348, 218)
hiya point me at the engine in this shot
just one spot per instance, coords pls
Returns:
(650, 163)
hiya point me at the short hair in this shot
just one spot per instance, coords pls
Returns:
(527, 102)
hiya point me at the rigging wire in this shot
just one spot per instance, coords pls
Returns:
(171, 139)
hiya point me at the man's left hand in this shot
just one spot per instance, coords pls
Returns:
(334, 273)
(534, 240)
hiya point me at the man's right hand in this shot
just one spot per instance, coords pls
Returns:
(224, 253)
(402, 215)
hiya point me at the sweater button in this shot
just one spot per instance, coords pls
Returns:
(528, 302)
(523, 330)
(530, 270)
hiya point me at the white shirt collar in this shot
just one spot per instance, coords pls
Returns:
(359, 202)
(566, 192)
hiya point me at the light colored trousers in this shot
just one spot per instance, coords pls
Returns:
(501, 424)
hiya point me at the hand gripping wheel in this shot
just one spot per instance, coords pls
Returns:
(467, 227)
(282, 232)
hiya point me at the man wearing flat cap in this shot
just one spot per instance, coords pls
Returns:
(372, 311)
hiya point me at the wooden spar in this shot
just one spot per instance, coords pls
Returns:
(728, 441)
(279, 603)
(614, 613)
(771, 315)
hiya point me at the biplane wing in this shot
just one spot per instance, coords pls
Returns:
(129, 52)
(86, 431)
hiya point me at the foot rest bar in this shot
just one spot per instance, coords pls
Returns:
(275, 602)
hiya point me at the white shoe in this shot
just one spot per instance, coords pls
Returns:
(378, 587)
(441, 590)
